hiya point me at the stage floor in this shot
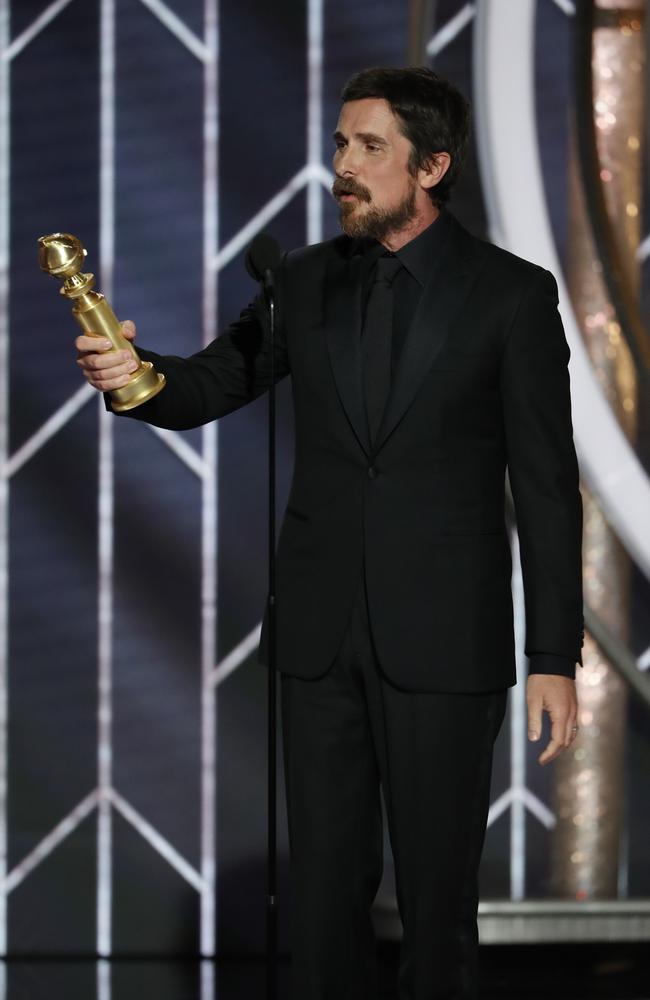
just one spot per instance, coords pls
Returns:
(519, 972)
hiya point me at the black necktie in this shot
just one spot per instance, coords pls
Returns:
(376, 341)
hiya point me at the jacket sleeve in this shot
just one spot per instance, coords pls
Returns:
(550, 663)
(543, 471)
(230, 372)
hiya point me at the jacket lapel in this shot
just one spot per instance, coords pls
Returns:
(342, 311)
(441, 300)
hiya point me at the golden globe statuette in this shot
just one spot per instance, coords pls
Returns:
(62, 256)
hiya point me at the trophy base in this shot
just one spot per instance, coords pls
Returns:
(144, 385)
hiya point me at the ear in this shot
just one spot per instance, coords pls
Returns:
(434, 171)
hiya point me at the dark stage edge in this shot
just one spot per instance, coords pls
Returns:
(509, 972)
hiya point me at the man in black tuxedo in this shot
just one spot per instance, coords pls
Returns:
(424, 362)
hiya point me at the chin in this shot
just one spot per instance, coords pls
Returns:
(352, 222)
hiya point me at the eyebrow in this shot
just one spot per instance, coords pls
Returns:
(363, 137)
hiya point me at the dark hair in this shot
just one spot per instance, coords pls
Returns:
(433, 115)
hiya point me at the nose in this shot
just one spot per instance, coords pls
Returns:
(345, 163)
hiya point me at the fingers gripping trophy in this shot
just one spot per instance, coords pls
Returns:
(62, 256)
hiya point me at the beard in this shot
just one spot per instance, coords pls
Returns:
(374, 223)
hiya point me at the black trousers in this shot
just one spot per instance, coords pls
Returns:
(345, 734)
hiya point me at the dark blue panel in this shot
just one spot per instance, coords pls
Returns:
(53, 910)
(54, 186)
(190, 12)
(155, 911)
(23, 13)
(157, 635)
(263, 115)
(159, 185)
(53, 613)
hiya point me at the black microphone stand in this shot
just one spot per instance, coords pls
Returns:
(271, 864)
(263, 255)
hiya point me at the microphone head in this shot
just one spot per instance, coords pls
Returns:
(262, 255)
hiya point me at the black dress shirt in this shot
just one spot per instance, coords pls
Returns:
(418, 258)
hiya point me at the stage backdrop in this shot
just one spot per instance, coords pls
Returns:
(166, 135)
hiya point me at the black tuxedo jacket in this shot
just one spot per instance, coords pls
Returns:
(482, 385)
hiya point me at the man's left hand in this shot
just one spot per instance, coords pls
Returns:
(556, 695)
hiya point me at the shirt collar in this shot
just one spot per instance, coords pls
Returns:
(418, 255)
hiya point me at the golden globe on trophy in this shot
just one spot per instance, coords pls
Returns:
(62, 256)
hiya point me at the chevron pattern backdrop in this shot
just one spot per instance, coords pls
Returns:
(132, 714)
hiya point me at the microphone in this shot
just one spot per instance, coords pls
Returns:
(262, 257)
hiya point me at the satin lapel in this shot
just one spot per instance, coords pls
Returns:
(342, 313)
(441, 301)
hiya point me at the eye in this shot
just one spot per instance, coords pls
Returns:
(372, 147)
(339, 143)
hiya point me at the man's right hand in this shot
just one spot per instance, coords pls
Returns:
(103, 367)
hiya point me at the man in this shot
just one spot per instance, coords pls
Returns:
(423, 362)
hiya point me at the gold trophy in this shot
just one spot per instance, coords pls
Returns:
(62, 255)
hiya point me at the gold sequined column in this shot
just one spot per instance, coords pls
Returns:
(588, 779)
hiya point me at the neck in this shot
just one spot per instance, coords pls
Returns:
(420, 221)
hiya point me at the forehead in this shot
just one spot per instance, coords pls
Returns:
(371, 114)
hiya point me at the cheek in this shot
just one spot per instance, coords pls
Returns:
(388, 187)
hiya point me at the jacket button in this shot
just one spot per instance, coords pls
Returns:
(372, 472)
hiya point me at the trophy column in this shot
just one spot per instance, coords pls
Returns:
(62, 255)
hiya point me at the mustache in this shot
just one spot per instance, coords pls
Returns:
(348, 186)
